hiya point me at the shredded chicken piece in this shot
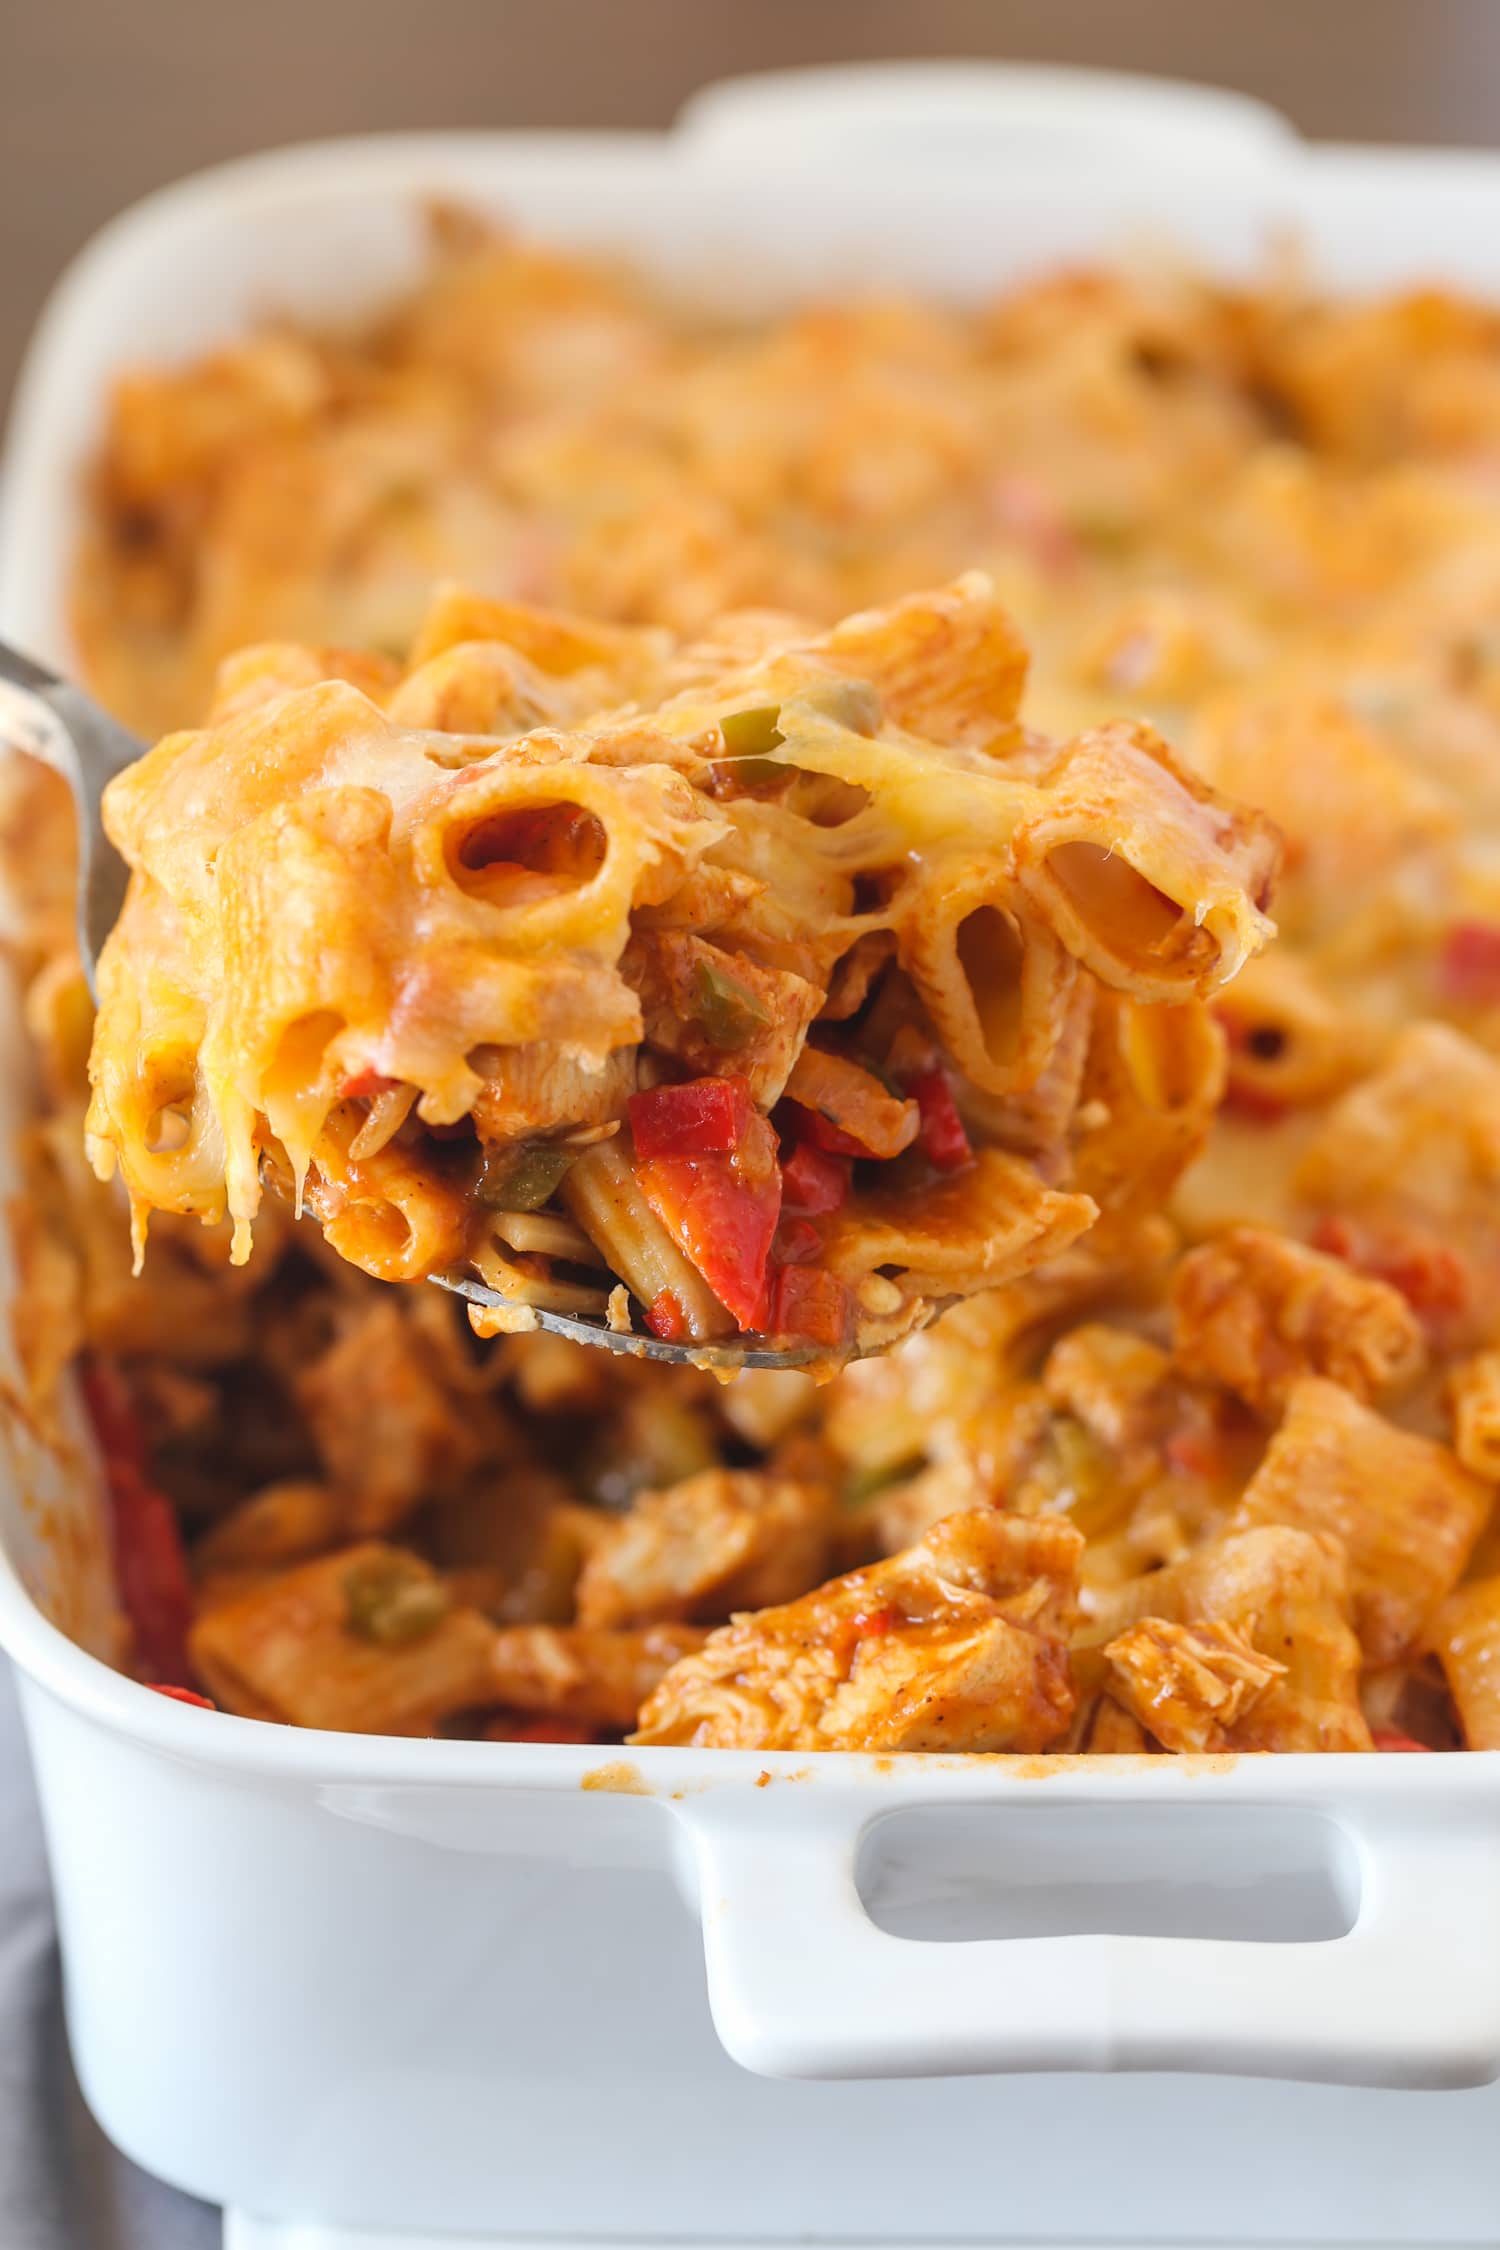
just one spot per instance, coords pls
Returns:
(1189, 1685)
(725, 1539)
(958, 1644)
(1285, 1592)
(534, 1089)
(1256, 1311)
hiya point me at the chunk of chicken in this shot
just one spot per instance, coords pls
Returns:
(958, 1644)
(715, 1010)
(1287, 1593)
(535, 1089)
(1113, 1382)
(282, 1523)
(1190, 1685)
(726, 1539)
(574, 1672)
(389, 1431)
(362, 1641)
(1255, 1311)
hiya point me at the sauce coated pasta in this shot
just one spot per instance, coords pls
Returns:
(774, 994)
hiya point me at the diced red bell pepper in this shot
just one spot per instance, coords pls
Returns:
(112, 1412)
(549, 1730)
(872, 1624)
(1469, 965)
(704, 1117)
(1391, 1738)
(809, 1302)
(812, 1128)
(1431, 1277)
(1025, 511)
(1196, 1453)
(812, 1181)
(798, 1243)
(364, 1085)
(151, 1570)
(1245, 1099)
(1334, 1237)
(940, 1133)
(721, 1210)
(181, 1695)
(665, 1317)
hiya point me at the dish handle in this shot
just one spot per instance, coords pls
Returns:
(969, 110)
(803, 1984)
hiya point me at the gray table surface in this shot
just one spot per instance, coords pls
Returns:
(62, 2186)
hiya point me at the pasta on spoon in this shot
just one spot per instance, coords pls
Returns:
(780, 983)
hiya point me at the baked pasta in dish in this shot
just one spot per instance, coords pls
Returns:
(1217, 1474)
(782, 993)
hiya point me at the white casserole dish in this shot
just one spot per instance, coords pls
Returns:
(380, 1983)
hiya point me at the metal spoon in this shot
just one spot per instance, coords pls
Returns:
(51, 719)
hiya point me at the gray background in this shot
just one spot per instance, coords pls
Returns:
(101, 100)
(62, 2187)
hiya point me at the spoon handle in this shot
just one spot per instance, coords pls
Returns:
(25, 672)
(54, 721)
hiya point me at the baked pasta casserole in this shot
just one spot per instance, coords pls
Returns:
(611, 856)
(775, 994)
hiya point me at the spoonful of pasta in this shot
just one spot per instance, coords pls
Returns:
(742, 1001)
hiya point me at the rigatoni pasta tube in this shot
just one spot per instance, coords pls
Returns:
(1146, 876)
(996, 980)
(392, 1213)
(1151, 1087)
(600, 1191)
(1474, 1402)
(1466, 1637)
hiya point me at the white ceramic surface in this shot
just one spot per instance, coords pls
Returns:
(374, 1984)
